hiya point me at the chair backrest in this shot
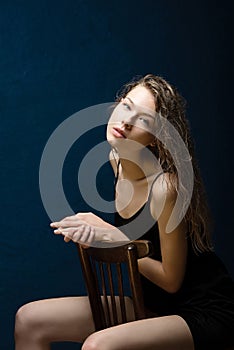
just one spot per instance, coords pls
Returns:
(106, 270)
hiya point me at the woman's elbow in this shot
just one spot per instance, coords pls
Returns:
(173, 287)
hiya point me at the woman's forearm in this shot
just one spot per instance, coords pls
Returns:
(111, 234)
(153, 270)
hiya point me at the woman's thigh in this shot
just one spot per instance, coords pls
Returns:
(161, 333)
(60, 319)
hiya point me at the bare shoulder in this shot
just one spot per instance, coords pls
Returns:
(163, 193)
(165, 185)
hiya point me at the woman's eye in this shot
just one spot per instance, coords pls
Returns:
(144, 120)
(126, 106)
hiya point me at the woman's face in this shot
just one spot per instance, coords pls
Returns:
(133, 118)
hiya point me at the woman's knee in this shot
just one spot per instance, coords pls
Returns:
(22, 319)
(26, 322)
(95, 341)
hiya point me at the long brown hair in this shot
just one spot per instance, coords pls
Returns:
(171, 105)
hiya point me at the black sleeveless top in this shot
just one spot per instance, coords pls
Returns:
(206, 297)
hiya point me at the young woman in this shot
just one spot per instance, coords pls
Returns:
(188, 293)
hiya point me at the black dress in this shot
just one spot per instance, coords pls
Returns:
(206, 298)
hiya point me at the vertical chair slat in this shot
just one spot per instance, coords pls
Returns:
(112, 295)
(121, 292)
(135, 283)
(92, 287)
(104, 291)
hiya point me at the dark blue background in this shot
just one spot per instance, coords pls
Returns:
(57, 57)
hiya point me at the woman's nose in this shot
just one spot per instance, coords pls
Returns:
(127, 123)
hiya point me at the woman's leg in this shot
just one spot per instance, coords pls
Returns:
(63, 319)
(160, 333)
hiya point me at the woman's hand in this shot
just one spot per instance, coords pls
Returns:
(86, 228)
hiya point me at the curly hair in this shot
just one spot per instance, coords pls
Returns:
(171, 105)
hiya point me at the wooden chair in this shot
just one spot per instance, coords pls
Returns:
(105, 269)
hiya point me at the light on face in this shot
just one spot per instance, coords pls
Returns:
(131, 114)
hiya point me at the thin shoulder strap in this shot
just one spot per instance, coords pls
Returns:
(117, 173)
(155, 179)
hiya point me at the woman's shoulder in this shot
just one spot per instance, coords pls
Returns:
(163, 194)
(164, 185)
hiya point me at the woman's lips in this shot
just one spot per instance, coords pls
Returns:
(118, 133)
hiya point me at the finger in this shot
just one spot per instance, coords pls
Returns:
(58, 231)
(91, 235)
(57, 224)
(69, 230)
(75, 234)
(79, 234)
(67, 223)
(66, 219)
(90, 239)
(65, 234)
(68, 236)
(86, 233)
(62, 230)
(54, 224)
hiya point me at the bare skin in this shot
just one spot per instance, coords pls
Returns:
(162, 333)
(40, 323)
(69, 319)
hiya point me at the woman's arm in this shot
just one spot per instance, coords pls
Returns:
(169, 273)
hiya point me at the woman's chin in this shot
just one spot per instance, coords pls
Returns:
(114, 141)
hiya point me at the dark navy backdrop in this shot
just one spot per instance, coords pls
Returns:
(57, 57)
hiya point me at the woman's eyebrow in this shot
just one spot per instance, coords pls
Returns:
(142, 113)
(130, 100)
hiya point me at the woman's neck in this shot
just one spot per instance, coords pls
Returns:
(136, 169)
